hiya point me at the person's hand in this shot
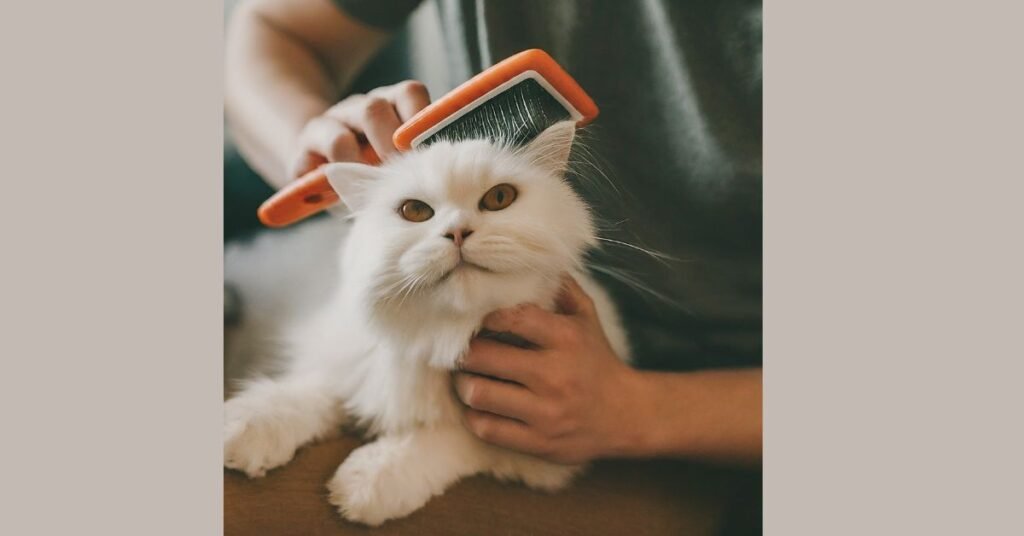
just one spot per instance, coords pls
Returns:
(565, 399)
(335, 135)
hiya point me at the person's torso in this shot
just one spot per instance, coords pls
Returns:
(679, 134)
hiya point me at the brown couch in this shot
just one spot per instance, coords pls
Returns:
(614, 497)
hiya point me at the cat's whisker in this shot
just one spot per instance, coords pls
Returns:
(410, 286)
(583, 157)
(661, 257)
(603, 225)
(623, 277)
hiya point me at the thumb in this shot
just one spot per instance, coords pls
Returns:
(573, 300)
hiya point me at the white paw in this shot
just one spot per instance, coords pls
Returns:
(550, 476)
(534, 472)
(369, 487)
(254, 442)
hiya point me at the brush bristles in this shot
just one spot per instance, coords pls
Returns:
(515, 116)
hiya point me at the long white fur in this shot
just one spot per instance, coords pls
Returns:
(381, 351)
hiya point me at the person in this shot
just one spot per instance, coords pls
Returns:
(679, 86)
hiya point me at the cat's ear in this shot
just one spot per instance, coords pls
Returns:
(352, 181)
(550, 149)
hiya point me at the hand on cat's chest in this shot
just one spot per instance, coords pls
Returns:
(556, 396)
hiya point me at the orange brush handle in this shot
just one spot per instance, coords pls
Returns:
(311, 193)
(305, 196)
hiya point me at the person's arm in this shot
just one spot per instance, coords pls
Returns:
(571, 400)
(288, 62)
(713, 414)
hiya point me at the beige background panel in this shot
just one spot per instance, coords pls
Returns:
(110, 291)
(893, 262)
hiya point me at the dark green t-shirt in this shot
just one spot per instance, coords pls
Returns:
(679, 88)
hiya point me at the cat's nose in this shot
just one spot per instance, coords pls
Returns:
(458, 236)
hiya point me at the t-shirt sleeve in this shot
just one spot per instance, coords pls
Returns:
(383, 14)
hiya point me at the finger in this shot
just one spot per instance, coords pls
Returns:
(492, 358)
(373, 116)
(498, 397)
(306, 162)
(333, 140)
(504, 432)
(572, 300)
(527, 321)
(409, 97)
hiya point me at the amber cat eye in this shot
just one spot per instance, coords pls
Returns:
(416, 211)
(499, 197)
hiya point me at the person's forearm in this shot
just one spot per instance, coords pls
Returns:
(276, 81)
(713, 415)
(273, 86)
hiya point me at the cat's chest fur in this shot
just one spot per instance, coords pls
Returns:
(404, 381)
(393, 373)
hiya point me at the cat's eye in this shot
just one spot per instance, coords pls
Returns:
(499, 197)
(416, 211)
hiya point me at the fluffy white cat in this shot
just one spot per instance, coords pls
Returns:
(440, 238)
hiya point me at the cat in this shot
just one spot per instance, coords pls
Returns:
(439, 238)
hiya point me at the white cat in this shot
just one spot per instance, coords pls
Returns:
(441, 237)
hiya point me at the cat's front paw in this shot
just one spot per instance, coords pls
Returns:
(254, 443)
(551, 478)
(534, 472)
(368, 488)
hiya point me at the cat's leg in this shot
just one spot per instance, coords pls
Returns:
(397, 474)
(534, 472)
(269, 419)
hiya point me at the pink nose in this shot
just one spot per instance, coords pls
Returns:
(458, 236)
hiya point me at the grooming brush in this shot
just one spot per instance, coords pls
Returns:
(515, 100)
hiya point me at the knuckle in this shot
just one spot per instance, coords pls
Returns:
(568, 333)
(563, 386)
(570, 386)
(534, 317)
(310, 129)
(554, 416)
(555, 385)
(347, 103)
(531, 310)
(412, 87)
(501, 318)
(342, 143)
(374, 107)
(548, 382)
(514, 321)
(535, 314)
(491, 319)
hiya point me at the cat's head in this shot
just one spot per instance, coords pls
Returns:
(464, 226)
